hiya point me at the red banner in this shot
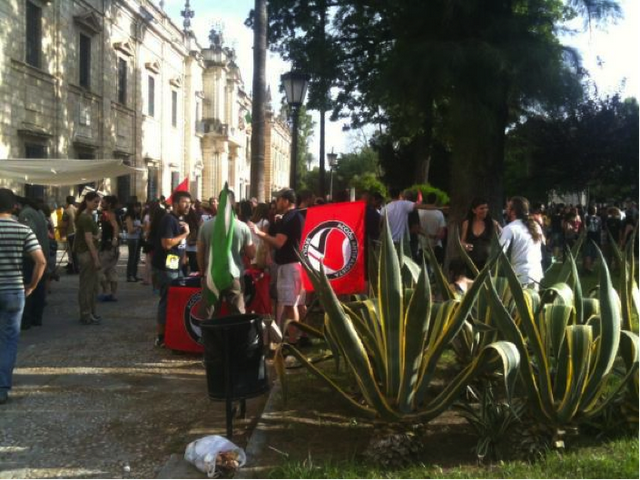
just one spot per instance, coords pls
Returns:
(333, 236)
(182, 330)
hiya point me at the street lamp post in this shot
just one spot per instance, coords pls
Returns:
(295, 87)
(333, 163)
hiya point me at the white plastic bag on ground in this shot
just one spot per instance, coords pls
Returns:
(214, 452)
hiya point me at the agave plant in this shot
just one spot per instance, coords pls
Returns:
(568, 346)
(630, 307)
(492, 418)
(392, 344)
(479, 329)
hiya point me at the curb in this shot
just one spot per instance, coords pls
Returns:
(258, 439)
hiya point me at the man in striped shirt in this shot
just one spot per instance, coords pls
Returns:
(16, 240)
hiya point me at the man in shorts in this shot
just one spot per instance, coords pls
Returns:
(286, 241)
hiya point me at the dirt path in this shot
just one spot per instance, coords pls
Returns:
(88, 400)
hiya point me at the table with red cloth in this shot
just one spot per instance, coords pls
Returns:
(182, 331)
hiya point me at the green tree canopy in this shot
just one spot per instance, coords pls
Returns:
(593, 146)
(445, 72)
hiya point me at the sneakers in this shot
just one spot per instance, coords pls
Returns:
(159, 342)
(92, 320)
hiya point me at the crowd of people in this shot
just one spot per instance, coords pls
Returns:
(174, 237)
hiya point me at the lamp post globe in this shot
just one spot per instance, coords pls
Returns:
(295, 87)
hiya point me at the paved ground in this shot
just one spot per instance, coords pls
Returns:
(88, 400)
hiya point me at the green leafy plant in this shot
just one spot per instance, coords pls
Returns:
(568, 346)
(392, 343)
(426, 189)
(492, 418)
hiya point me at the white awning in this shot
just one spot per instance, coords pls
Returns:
(62, 171)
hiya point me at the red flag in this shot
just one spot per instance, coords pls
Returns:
(183, 323)
(183, 187)
(184, 312)
(333, 236)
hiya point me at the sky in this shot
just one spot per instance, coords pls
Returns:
(611, 54)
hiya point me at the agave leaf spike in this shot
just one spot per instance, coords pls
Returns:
(417, 319)
(577, 287)
(565, 271)
(578, 341)
(610, 323)
(561, 292)
(528, 324)
(556, 317)
(441, 281)
(313, 369)
(412, 270)
(390, 308)
(304, 327)
(630, 380)
(445, 328)
(542, 403)
(331, 341)
(347, 338)
(630, 347)
(629, 288)
(507, 354)
(465, 256)
(279, 365)
(372, 347)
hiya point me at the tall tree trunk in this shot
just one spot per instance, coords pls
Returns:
(477, 162)
(258, 106)
(422, 159)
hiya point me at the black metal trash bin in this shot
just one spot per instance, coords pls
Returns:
(234, 353)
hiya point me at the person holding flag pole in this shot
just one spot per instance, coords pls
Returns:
(222, 241)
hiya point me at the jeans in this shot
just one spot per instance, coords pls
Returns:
(11, 307)
(163, 279)
(34, 304)
(134, 257)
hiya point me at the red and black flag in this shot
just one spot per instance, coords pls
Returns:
(333, 236)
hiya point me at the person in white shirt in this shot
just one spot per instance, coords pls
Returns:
(432, 228)
(522, 238)
(397, 212)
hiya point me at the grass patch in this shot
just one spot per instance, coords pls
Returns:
(616, 459)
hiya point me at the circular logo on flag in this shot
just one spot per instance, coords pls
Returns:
(333, 245)
(191, 319)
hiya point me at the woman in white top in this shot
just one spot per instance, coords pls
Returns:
(523, 237)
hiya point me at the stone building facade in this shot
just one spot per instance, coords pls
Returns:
(95, 79)
(277, 160)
